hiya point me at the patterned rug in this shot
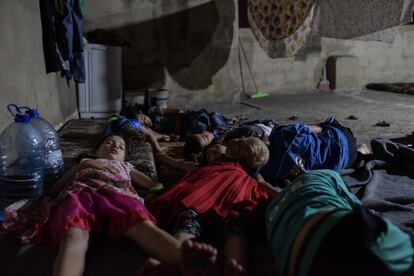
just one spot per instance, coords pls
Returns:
(82, 137)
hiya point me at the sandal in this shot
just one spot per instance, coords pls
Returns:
(352, 117)
(383, 124)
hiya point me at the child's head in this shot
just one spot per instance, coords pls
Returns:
(214, 152)
(112, 147)
(251, 152)
(195, 143)
(135, 112)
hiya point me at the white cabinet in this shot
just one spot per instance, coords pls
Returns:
(101, 94)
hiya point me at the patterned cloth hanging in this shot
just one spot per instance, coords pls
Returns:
(278, 19)
(286, 28)
(292, 37)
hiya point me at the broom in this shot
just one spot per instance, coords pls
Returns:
(258, 93)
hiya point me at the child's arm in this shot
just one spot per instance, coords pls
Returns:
(152, 139)
(158, 136)
(144, 181)
(63, 180)
(266, 186)
(69, 174)
(176, 164)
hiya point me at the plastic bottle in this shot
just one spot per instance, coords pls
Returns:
(54, 166)
(22, 162)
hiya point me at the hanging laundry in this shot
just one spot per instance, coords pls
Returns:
(286, 28)
(287, 43)
(278, 19)
(408, 12)
(62, 31)
(354, 18)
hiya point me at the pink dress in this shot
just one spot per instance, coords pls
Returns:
(98, 201)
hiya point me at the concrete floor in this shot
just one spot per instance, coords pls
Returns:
(314, 106)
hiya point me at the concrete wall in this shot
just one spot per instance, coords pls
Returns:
(357, 64)
(122, 13)
(23, 78)
(365, 62)
(192, 48)
(188, 47)
(278, 74)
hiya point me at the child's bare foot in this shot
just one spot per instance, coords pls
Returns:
(363, 148)
(154, 267)
(233, 268)
(196, 258)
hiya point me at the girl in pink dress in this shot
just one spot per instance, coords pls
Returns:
(96, 197)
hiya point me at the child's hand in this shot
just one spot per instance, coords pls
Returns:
(144, 119)
(94, 164)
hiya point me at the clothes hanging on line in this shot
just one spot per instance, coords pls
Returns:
(278, 19)
(354, 18)
(62, 32)
(286, 28)
(288, 43)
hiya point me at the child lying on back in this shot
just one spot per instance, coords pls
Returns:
(96, 198)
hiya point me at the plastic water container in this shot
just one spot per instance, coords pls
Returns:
(54, 165)
(157, 97)
(22, 161)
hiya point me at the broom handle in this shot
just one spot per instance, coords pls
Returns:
(248, 66)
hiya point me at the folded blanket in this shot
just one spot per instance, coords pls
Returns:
(385, 182)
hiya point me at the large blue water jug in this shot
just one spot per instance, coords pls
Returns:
(54, 166)
(22, 160)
